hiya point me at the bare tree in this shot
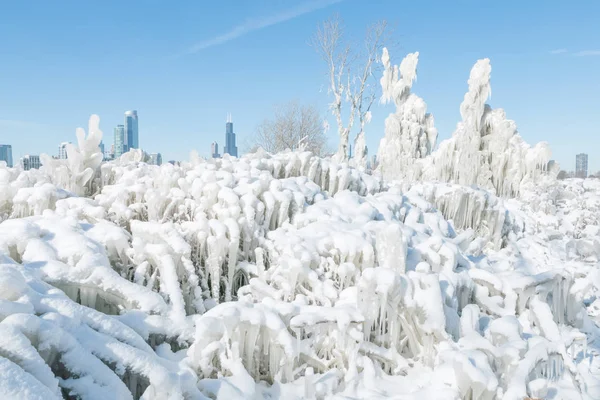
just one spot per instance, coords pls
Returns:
(292, 126)
(350, 75)
(562, 175)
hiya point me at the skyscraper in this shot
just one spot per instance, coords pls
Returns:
(155, 159)
(230, 147)
(30, 162)
(581, 165)
(62, 150)
(131, 131)
(214, 150)
(119, 142)
(6, 154)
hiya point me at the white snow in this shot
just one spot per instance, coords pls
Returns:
(292, 276)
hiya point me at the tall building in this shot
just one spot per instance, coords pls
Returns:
(6, 154)
(230, 147)
(119, 142)
(30, 162)
(581, 165)
(62, 150)
(155, 159)
(101, 145)
(131, 131)
(214, 150)
(110, 153)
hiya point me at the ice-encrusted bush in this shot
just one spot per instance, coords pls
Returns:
(409, 133)
(222, 275)
(485, 150)
(79, 172)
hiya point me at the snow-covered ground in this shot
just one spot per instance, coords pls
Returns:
(289, 276)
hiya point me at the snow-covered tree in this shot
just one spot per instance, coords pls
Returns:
(350, 80)
(410, 134)
(486, 149)
(80, 171)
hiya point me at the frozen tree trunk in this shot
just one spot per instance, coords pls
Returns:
(346, 86)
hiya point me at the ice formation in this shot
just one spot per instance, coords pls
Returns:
(292, 276)
(485, 150)
(409, 133)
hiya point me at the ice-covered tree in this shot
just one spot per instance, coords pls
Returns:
(486, 149)
(350, 80)
(409, 132)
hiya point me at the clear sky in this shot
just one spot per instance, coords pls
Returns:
(183, 65)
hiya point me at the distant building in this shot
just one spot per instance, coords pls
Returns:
(581, 165)
(109, 154)
(214, 150)
(230, 147)
(131, 140)
(6, 154)
(101, 145)
(119, 143)
(155, 159)
(62, 150)
(30, 162)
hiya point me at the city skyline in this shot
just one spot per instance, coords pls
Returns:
(125, 138)
(581, 159)
(165, 80)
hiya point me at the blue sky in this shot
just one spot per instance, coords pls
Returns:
(184, 65)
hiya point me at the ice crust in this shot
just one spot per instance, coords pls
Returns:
(292, 276)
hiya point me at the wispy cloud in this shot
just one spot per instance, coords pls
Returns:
(587, 53)
(582, 53)
(256, 24)
(558, 51)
